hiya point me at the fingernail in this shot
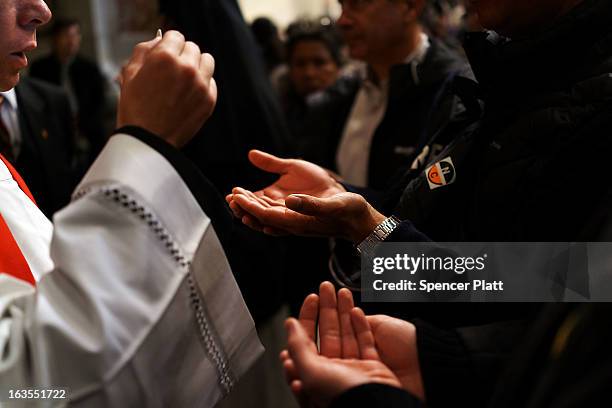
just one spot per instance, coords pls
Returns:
(159, 33)
(296, 202)
(289, 324)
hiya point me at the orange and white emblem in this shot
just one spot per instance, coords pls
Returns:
(441, 174)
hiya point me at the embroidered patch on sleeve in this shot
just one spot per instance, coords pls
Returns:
(441, 174)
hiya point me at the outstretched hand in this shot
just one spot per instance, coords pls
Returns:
(345, 331)
(296, 177)
(343, 215)
(317, 380)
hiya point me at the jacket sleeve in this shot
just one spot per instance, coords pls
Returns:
(375, 395)
(460, 367)
(141, 308)
(407, 232)
(374, 197)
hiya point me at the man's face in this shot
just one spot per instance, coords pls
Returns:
(372, 26)
(68, 42)
(19, 20)
(312, 67)
(519, 17)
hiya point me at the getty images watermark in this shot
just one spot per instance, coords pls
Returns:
(488, 272)
(412, 265)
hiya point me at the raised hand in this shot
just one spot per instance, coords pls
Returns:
(317, 380)
(167, 88)
(343, 328)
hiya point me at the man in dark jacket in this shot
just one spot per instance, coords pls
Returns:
(367, 129)
(81, 78)
(521, 174)
(47, 156)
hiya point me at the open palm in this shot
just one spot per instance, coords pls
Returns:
(317, 380)
(396, 344)
(342, 327)
(296, 177)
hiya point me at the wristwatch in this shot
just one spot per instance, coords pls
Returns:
(380, 234)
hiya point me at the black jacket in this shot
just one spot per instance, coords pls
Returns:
(564, 361)
(528, 172)
(417, 107)
(47, 151)
(247, 116)
(89, 86)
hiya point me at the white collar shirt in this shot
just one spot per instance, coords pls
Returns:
(367, 113)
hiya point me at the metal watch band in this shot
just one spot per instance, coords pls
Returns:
(380, 234)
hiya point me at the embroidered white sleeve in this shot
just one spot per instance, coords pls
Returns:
(142, 308)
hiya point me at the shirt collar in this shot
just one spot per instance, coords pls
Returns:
(10, 97)
(415, 57)
(418, 55)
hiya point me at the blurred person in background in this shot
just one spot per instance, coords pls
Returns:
(314, 62)
(369, 128)
(443, 19)
(269, 43)
(82, 80)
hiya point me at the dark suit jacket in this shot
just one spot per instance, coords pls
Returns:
(47, 149)
(89, 89)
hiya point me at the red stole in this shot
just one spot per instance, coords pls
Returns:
(12, 260)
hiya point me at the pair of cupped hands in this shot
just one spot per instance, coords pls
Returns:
(354, 350)
(306, 200)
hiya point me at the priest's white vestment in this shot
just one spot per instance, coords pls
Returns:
(135, 304)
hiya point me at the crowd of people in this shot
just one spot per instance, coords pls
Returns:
(250, 165)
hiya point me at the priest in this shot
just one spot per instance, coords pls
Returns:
(128, 299)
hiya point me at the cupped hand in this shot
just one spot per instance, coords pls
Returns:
(344, 328)
(295, 177)
(317, 380)
(344, 215)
